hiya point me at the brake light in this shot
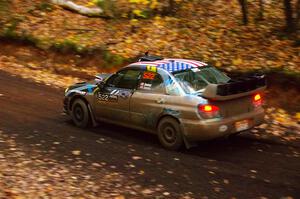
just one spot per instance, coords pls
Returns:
(208, 111)
(257, 100)
(208, 108)
(257, 97)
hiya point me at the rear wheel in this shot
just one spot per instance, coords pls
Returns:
(169, 134)
(80, 113)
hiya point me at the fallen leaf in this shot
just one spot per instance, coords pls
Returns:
(76, 152)
(237, 61)
(166, 193)
(136, 158)
(120, 197)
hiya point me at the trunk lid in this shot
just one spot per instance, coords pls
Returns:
(236, 96)
(232, 107)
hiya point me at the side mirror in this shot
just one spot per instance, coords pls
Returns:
(101, 85)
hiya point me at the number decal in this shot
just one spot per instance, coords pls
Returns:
(149, 75)
(103, 97)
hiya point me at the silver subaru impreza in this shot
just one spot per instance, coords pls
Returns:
(182, 101)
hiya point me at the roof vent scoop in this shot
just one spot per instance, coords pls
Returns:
(148, 57)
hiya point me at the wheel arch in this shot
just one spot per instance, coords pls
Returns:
(75, 97)
(166, 116)
(91, 113)
(183, 132)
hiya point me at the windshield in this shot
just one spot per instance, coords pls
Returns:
(196, 79)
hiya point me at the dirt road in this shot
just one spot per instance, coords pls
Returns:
(245, 167)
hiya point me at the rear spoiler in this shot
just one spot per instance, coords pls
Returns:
(235, 88)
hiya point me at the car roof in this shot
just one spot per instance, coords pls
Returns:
(171, 65)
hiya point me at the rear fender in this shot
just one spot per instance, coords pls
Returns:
(175, 114)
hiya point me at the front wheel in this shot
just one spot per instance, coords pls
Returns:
(80, 113)
(169, 134)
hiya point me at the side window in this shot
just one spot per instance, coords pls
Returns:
(129, 80)
(171, 86)
(152, 82)
(114, 80)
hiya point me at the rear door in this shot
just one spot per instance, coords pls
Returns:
(148, 101)
(112, 102)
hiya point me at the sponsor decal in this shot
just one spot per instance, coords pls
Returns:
(124, 94)
(114, 92)
(80, 92)
(195, 69)
(145, 86)
(90, 88)
(151, 68)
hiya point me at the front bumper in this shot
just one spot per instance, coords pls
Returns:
(66, 105)
(210, 129)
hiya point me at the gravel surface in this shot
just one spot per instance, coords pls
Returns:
(33, 174)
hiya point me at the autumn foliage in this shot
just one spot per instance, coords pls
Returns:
(211, 31)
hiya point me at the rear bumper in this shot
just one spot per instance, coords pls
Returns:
(210, 129)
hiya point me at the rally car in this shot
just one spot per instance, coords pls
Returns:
(182, 101)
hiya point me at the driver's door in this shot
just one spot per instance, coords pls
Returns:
(113, 100)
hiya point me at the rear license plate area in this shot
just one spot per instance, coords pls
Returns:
(242, 125)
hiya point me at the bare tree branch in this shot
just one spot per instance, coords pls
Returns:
(78, 8)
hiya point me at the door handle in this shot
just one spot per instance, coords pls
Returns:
(160, 101)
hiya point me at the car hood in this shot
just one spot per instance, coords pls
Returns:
(81, 88)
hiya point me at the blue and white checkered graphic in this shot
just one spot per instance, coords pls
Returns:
(175, 66)
(172, 65)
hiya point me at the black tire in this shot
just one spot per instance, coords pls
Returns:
(169, 134)
(80, 113)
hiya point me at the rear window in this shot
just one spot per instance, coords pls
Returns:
(196, 79)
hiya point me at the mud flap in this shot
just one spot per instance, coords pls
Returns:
(94, 122)
(188, 144)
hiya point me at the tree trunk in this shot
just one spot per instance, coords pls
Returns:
(244, 8)
(171, 6)
(298, 15)
(288, 11)
(5, 11)
(169, 10)
(261, 10)
(297, 23)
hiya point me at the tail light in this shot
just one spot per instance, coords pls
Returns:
(257, 100)
(208, 111)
